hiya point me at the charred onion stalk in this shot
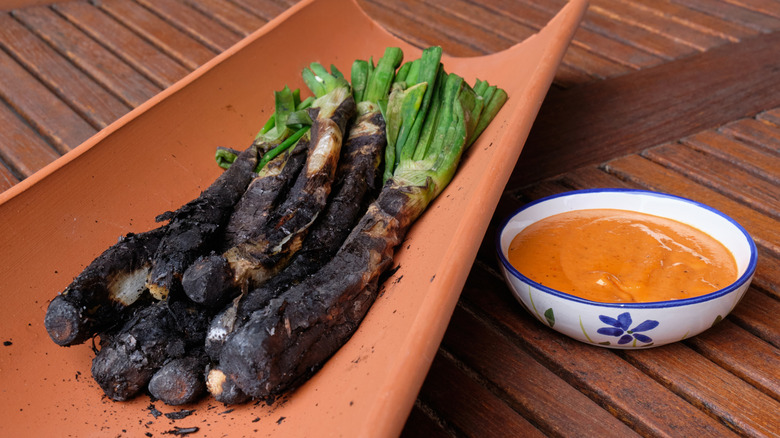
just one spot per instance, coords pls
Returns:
(162, 332)
(356, 184)
(99, 296)
(285, 342)
(192, 228)
(269, 248)
(195, 226)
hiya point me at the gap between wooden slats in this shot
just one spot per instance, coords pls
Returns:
(658, 23)
(759, 21)
(480, 413)
(756, 160)
(24, 151)
(728, 345)
(422, 424)
(123, 43)
(763, 131)
(159, 32)
(719, 175)
(406, 23)
(265, 9)
(636, 399)
(710, 388)
(536, 17)
(515, 30)
(229, 15)
(766, 7)
(69, 83)
(527, 386)
(114, 74)
(194, 23)
(41, 108)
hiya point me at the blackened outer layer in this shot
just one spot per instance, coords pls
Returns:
(283, 344)
(357, 182)
(163, 331)
(266, 253)
(129, 358)
(263, 194)
(88, 304)
(192, 228)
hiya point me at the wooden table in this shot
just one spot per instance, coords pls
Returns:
(678, 96)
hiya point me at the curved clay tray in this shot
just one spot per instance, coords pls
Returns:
(161, 155)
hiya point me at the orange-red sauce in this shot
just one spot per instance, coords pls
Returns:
(621, 256)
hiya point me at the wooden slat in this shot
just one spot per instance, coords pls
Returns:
(49, 115)
(81, 92)
(265, 9)
(771, 116)
(653, 176)
(755, 132)
(765, 7)
(535, 16)
(535, 391)
(629, 394)
(731, 31)
(192, 22)
(137, 52)
(162, 34)
(406, 25)
(23, 150)
(728, 345)
(514, 30)
(738, 404)
(123, 81)
(655, 22)
(482, 414)
(420, 425)
(735, 13)
(738, 153)
(7, 179)
(757, 313)
(601, 20)
(228, 14)
(445, 23)
(593, 123)
(719, 175)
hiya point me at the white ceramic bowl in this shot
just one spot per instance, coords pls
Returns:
(629, 325)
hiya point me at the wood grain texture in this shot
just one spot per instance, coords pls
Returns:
(727, 345)
(594, 122)
(122, 42)
(130, 86)
(159, 32)
(624, 391)
(194, 23)
(719, 174)
(735, 402)
(531, 388)
(69, 83)
(41, 108)
(23, 151)
(481, 414)
(229, 15)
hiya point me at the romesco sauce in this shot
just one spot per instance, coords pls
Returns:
(611, 256)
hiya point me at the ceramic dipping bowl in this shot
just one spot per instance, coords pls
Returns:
(629, 325)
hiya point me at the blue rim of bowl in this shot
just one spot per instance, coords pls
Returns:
(644, 305)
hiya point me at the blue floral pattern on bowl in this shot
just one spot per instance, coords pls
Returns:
(621, 328)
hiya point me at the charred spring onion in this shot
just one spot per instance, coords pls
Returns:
(272, 268)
